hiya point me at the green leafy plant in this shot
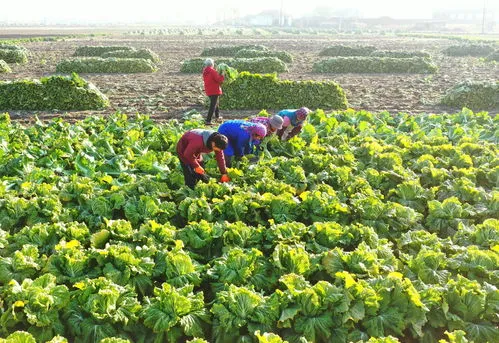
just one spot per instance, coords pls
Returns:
(19, 337)
(13, 53)
(100, 308)
(477, 50)
(400, 54)
(49, 93)
(493, 56)
(252, 65)
(376, 227)
(133, 53)
(345, 50)
(239, 312)
(229, 73)
(174, 313)
(252, 53)
(476, 95)
(230, 50)
(4, 67)
(99, 50)
(106, 65)
(250, 91)
(37, 304)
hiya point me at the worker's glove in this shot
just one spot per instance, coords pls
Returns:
(286, 132)
(199, 170)
(224, 178)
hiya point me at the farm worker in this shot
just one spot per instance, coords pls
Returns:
(243, 137)
(212, 87)
(293, 122)
(272, 124)
(190, 148)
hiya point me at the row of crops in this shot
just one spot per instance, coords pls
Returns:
(50, 94)
(71, 92)
(246, 91)
(488, 50)
(365, 228)
(249, 58)
(110, 59)
(342, 59)
(90, 59)
(260, 59)
(252, 89)
(368, 59)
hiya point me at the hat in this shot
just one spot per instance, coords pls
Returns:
(302, 113)
(276, 122)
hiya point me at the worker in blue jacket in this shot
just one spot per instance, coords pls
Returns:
(243, 136)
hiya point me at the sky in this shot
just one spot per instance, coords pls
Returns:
(205, 12)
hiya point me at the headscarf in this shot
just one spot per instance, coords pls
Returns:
(255, 129)
(301, 113)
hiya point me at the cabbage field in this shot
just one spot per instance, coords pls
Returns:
(378, 223)
(365, 228)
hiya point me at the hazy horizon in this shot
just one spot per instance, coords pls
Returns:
(198, 12)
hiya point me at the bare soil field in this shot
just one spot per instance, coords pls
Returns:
(169, 93)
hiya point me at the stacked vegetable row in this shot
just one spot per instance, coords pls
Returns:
(367, 59)
(110, 59)
(49, 93)
(12, 54)
(367, 225)
(250, 58)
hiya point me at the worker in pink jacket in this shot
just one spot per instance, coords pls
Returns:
(212, 87)
(190, 148)
(272, 123)
(293, 121)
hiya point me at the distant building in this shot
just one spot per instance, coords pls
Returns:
(382, 23)
(463, 16)
(228, 15)
(468, 17)
(338, 23)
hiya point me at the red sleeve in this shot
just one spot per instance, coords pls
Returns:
(189, 153)
(217, 77)
(219, 156)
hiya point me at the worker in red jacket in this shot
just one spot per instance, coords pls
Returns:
(190, 148)
(212, 87)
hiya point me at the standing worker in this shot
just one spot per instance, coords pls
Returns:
(190, 148)
(212, 87)
(293, 122)
(242, 136)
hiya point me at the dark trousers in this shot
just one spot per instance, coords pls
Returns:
(296, 130)
(213, 107)
(190, 176)
(228, 161)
